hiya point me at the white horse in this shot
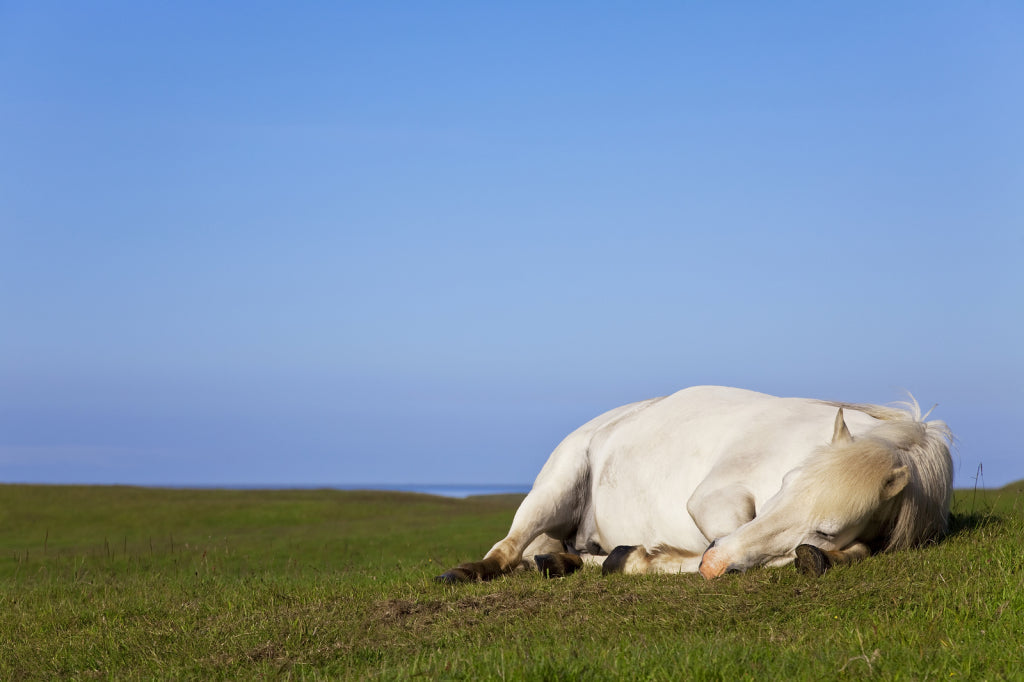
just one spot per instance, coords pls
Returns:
(718, 480)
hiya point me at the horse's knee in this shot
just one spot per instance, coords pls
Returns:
(718, 511)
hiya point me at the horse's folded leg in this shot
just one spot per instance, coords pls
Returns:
(811, 561)
(557, 565)
(474, 571)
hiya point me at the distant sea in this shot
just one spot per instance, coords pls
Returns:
(444, 489)
(440, 489)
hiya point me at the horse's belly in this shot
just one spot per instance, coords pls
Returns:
(648, 513)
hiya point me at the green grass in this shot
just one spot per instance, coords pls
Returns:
(143, 583)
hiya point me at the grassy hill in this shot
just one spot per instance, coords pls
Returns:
(132, 582)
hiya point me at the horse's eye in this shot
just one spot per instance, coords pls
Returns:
(825, 536)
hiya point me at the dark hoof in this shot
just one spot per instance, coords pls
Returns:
(463, 573)
(472, 572)
(557, 565)
(454, 577)
(811, 561)
(616, 560)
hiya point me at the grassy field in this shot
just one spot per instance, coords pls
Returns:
(143, 583)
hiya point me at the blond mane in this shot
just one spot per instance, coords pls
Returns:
(923, 447)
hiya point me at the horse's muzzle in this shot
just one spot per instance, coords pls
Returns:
(713, 563)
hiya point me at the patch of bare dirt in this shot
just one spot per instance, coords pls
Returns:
(268, 651)
(463, 611)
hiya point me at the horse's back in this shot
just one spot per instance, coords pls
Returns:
(709, 423)
(697, 428)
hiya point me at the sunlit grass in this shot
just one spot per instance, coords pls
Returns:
(129, 582)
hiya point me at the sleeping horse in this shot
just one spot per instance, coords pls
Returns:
(717, 480)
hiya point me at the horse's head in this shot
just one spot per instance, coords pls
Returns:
(844, 493)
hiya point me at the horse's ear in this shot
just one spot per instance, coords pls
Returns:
(896, 481)
(841, 434)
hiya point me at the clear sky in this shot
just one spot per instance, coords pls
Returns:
(379, 242)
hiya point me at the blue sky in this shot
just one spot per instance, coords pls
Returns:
(344, 243)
